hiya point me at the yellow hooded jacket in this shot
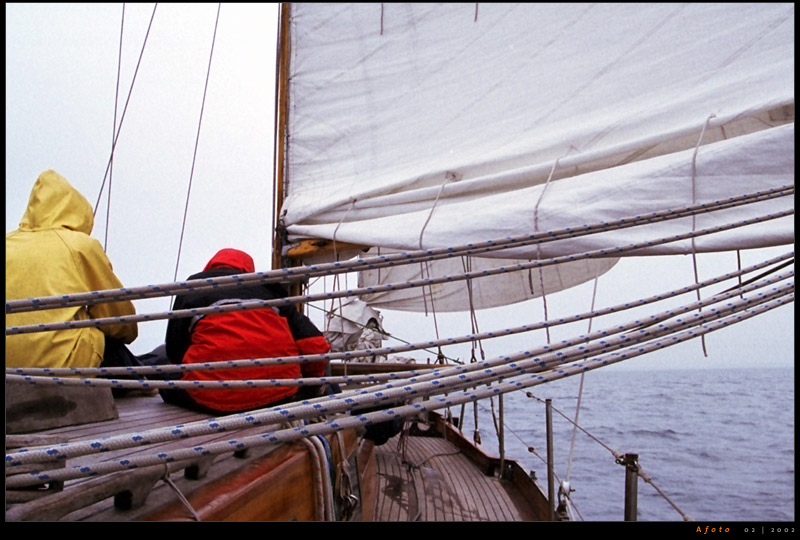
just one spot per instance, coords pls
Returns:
(51, 254)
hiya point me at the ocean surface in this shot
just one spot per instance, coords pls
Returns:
(718, 443)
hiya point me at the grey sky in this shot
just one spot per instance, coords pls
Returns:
(61, 72)
(61, 66)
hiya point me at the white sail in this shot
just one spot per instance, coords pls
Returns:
(430, 125)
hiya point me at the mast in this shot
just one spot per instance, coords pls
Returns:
(281, 126)
(306, 248)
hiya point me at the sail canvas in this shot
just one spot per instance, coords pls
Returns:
(428, 125)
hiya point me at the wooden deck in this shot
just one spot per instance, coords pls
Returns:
(428, 478)
(121, 495)
(424, 475)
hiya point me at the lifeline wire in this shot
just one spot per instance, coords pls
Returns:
(617, 456)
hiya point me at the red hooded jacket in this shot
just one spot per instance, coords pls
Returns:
(258, 333)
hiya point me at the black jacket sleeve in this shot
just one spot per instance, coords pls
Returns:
(178, 338)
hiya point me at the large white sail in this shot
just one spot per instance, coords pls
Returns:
(430, 125)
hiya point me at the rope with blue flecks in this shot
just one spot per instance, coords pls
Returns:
(260, 304)
(306, 272)
(527, 372)
(30, 374)
(357, 421)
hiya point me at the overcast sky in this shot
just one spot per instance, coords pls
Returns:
(61, 80)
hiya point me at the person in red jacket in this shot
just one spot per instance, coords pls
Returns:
(256, 333)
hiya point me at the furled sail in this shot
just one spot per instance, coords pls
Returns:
(429, 125)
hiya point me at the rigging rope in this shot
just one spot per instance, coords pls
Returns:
(124, 110)
(288, 301)
(325, 470)
(694, 217)
(741, 312)
(536, 229)
(580, 395)
(319, 489)
(197, 142)
(409, 257)
(181, 497)
(449, 177)
(113, 130)
(341, 424)
(336, 277)
(397, 349)
(527, 365)
(466, 263)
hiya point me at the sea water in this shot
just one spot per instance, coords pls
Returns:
(718, 443)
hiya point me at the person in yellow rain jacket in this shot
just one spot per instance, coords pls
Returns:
(52, 254)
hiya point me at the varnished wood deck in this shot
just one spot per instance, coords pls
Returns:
(94, 498)
(433, 480)
(427, 478)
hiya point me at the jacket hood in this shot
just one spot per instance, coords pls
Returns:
(231, 258)
(54, 203)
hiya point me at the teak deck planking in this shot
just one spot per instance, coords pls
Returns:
(418, 476)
